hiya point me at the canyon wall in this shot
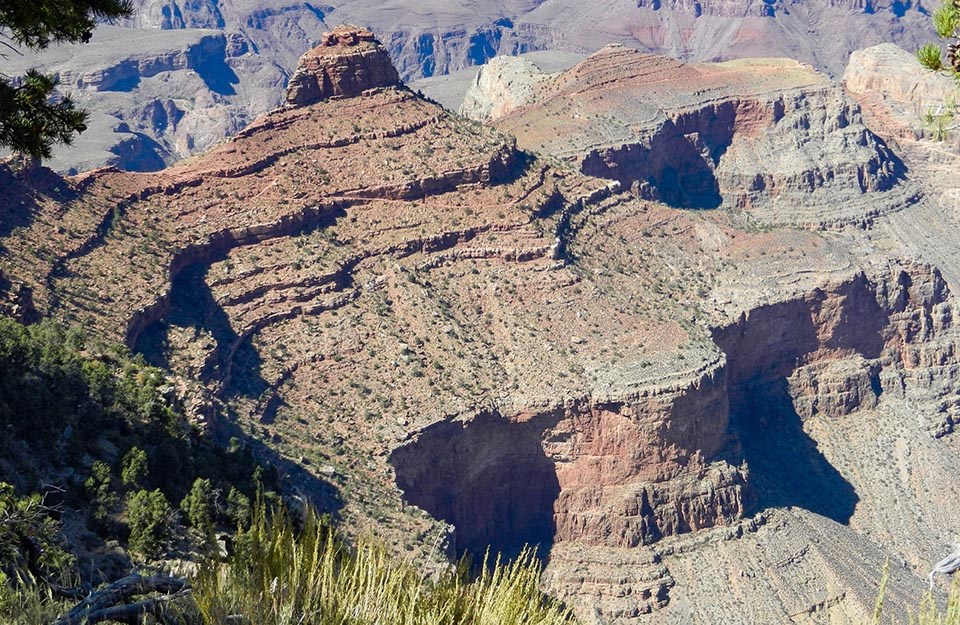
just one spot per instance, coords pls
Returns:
(701, 453)
(242, 74)
(769, 137)
(689, 411)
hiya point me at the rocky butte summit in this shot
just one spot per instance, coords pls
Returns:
(704, 353)
(348, 61)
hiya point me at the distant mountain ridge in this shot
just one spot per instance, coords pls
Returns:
(237, 56)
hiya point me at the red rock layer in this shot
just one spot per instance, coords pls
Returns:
(348, 61)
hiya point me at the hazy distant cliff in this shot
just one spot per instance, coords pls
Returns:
(181, 76)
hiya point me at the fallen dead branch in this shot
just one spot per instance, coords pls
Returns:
(112, 602)
(947, 566)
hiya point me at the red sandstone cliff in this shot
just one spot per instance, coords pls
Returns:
(686, 409)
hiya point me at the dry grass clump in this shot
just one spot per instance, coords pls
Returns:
(279, 576)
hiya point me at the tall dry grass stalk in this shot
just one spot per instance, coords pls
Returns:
(282, 577)
(28, 602)
(928, 612)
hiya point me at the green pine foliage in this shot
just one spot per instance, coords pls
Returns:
(200, 505)
(33, 118)
(946, 19)
(150, 518)
(940, 120)
(94, 422)
(38, 23)
(64, 400)
(239, 509)
(929, 56)
(99, 487)
(135, 468)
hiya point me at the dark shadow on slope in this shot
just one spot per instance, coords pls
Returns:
(139, 152)
(192, 305)
(318, 12)
(765, 347)
(484, 44)
(668, 167)
(426, 59)
(124, 85)
(488, 477)
(786, 468)
(292, 478)
(218, 76)
(23, 192)
(773, 340)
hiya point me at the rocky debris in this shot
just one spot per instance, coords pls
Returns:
(348, 61)
(502, 85)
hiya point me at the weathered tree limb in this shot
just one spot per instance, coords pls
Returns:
(75, 593)
(132, 613)
(110, 603)
(947, 566)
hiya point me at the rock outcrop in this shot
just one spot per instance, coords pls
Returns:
(805, 383)
(889, 83)
(768, 136)
(502, 85)
(348, 61)
(896, 96)
(261, 44)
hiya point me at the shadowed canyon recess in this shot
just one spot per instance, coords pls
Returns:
(490, 334)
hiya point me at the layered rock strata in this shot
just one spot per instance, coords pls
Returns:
(770, 137)
(243, 76)
(467, 346)
(348, 61)
(809, 374)
(890, 84)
